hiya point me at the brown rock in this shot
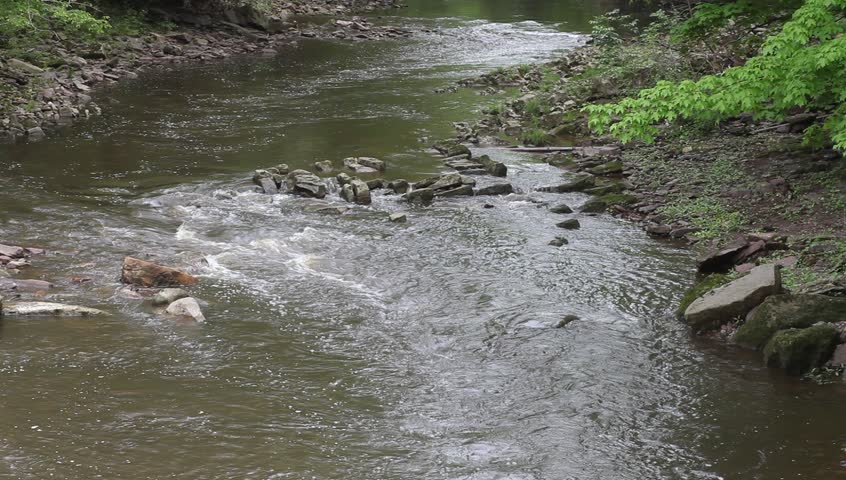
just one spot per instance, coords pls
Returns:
(148, 274)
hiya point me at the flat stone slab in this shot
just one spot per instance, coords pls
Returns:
(48, 309)
(735, 299)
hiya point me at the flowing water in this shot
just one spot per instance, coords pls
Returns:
(349, 347)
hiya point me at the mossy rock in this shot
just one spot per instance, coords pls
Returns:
(780, 312)
(798, 350)
(451, 148)
(619, 199)
(562, 160)
(594, 205)
(706, 285)
(608, 188)
(610, 168)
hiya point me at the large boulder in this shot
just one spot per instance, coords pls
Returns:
(578, 184)
(798, 350)
(305, 183)
(497, 169)
(186, 307)
(266, 181)
(452, 148)
(779, 312)
(496, 189)
(12, 251)
(148, 274)
(420, 195)
(356, 191)
(734, 299)
(48, 309)
(445, 182)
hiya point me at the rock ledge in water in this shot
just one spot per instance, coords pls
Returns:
(49, 309)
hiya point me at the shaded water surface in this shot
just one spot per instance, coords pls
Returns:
(348, 347)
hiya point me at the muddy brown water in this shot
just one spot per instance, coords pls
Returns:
(350, 347)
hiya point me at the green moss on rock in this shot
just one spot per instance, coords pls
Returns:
(706, 285)
(619, 199)
(798, 350)
(609, 168)
(780, 312)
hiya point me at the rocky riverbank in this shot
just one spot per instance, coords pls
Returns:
(746, 195)
(36, 98)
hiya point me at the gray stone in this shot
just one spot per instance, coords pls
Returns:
(562, 208)
(48, 309)
(12, 251)
(578, 184)
(25, 67)
(497, 189)
(376, 184)
(452, 148)
(455, 192)
(364, 164)
(302, 182)
(265, 179)
(186, 307)
(420, 195)
(446, 182)
(169, 295)
(571, 224)
(594, 205)
(399, 186)
(343, 179)
(398, 217)
(837, 359)
(356, 191)
(497, 169)
(734, 299)
(324, 166)
(559, 242)
(35, 134)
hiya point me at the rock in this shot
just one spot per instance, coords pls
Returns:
(452, 148)
(611, 168)
(445, 182)
(779, 312)
(398, 217)
(376, 184)
(186, 307)
(266, 180)
(559, 242)
(562, 208)
(25, 67)
(658, 230)
(497, 169)
(28, 285)
(594, 205)
(497, 189)
(837, 359)
(148, 274)
(420, 195)
(399, 186)
(579, 184)
(305, 183)
(35, 134)
(48, 309)
(12, 252)
(570, 224)
(343, 179)
(356, 191)
(568, 319)
(364, 164)
(17, 264)
(169, 295)
(455, 192)
(798, 350)
(722, 260)
(734, 299)
(324, 166)
(464, 165)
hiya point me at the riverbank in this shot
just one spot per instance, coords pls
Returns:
(741, 193)
(47, 83)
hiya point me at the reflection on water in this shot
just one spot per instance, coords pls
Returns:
(345, 347)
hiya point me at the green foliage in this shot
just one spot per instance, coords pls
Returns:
(709, 215)
(40, 17)
(535, 136)
(801, 66)
(611, 29)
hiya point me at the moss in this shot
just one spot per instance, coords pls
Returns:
(798, 350)
(706, 285)
(594, 205)
(619, 199)
(780, 312)
(607, 188)
(610, 168)
(562, 160)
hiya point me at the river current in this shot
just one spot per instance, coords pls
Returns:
(349, 347)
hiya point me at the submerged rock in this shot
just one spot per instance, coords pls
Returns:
(798, 350)
(399, 186)
(305, 183)
(364, 164)
(49, 309)
(594, 205)
(559, 242)
(735, 299)
(562, 208)
(779, 312)
(169, 295)
(186, 307)
(148, 274)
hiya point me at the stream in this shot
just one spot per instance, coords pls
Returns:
(349, 347)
